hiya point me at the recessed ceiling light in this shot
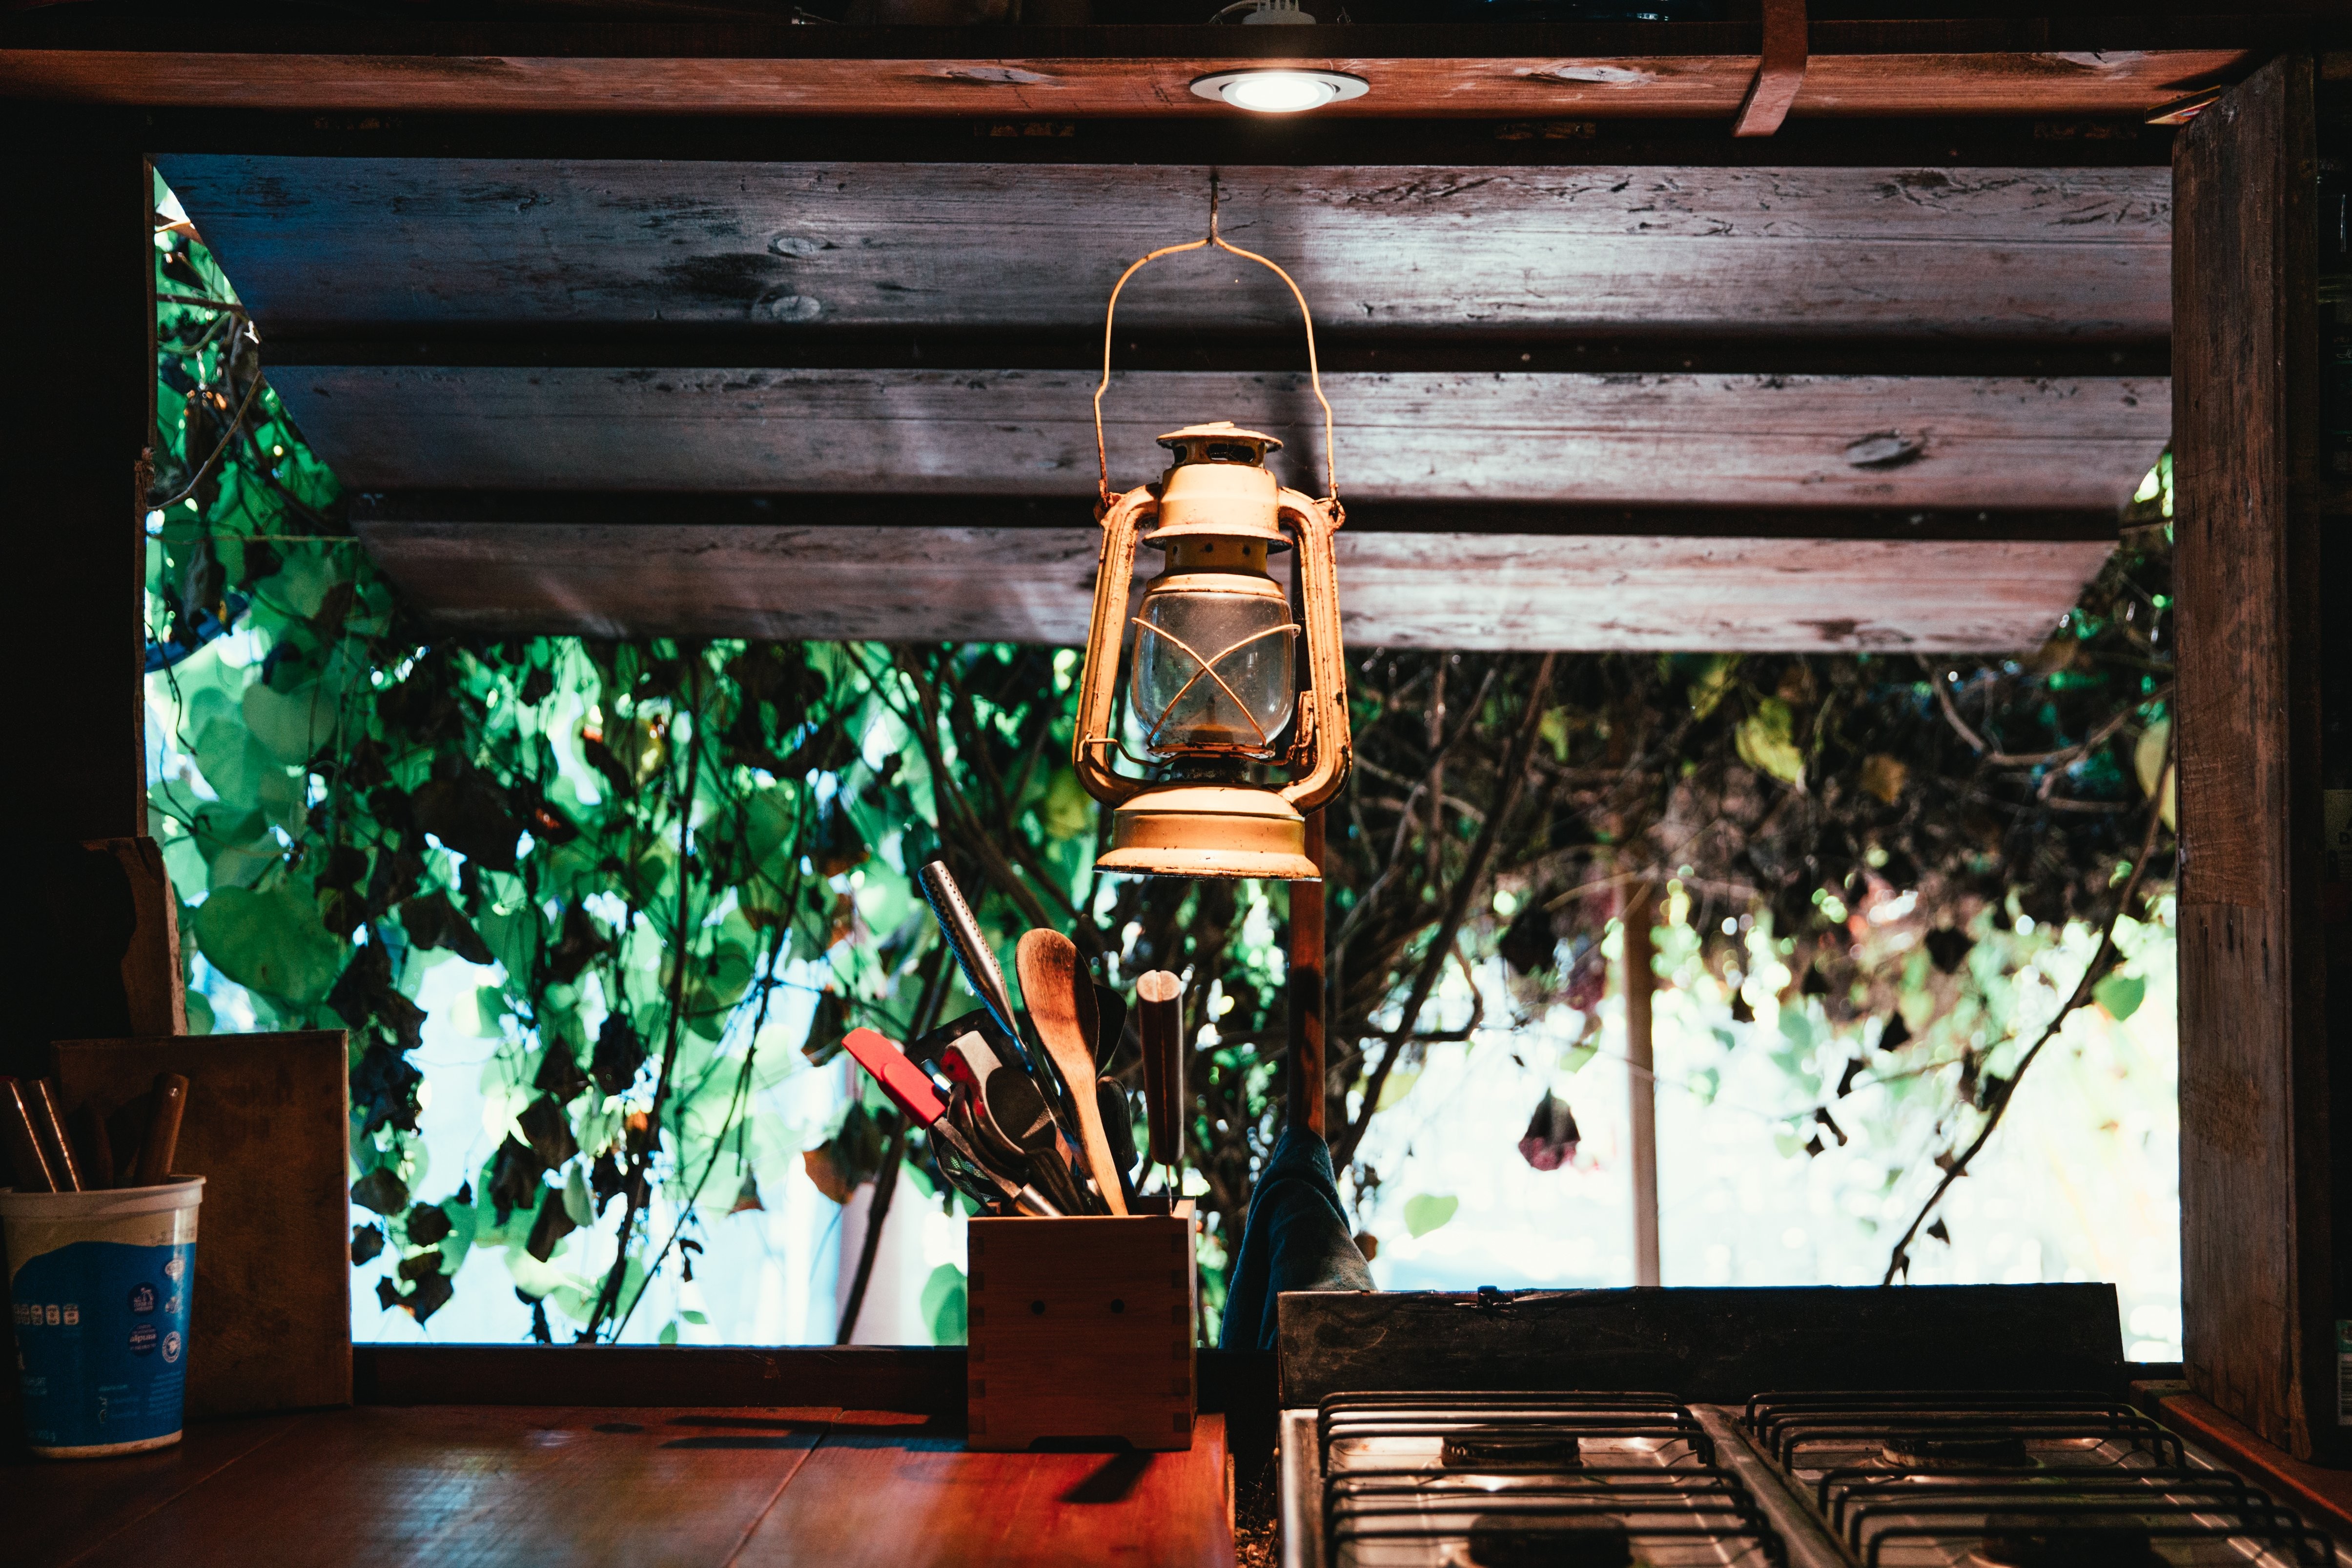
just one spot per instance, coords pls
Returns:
(1280, 91)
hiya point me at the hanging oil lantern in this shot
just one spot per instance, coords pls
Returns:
(1214, 705)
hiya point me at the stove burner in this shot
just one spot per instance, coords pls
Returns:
(1501, 1449)
(1916, 1451)
(1501, 1541)
(2054, 1541)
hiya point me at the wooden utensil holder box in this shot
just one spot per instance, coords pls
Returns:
(1082, 1328)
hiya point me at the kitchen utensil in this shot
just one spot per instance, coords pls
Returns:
(978, 1181)
(969, 945)
(1052, 982)
(87, 1130)
(31, 1166)
(1110, 1009)
(1160, 996)
(1011, 1118)
(1119, 1132)
(910, 1089)
(41, 1102)
(163, 1139)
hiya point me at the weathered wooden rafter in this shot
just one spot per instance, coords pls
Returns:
(776, 250)
(2031, 66)
(1691, 439)
(943, 580)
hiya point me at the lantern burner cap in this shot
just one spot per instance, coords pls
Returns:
(1222, 442)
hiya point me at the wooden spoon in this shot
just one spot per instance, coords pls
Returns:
(1053, 981)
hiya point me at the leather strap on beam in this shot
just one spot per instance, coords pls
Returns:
(1779, 74)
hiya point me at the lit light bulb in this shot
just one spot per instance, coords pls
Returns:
(1279, 92)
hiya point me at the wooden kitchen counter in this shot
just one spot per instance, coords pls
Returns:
(481, 1486)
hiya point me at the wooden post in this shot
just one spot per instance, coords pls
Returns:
(1638, 982)
(77, 249)
(2256, 1307)
(1306, 1080)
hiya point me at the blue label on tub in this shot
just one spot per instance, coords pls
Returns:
(101, 1336)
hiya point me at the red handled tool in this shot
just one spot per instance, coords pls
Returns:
(910, 1089)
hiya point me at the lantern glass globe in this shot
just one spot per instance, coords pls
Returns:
(1213, 671)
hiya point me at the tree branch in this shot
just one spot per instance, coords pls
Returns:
(1985, 753)
(1899, 1260)
(608, 1300)
(1433, 963)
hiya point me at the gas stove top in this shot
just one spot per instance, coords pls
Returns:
(1991, 1460)
(1812, 1479)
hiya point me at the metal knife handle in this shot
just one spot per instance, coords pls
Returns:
(1030, 1201)
(1160, 998)
(964, 939)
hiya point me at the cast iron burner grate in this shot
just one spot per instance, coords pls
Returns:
(2019, 1480)
(1486, 1480)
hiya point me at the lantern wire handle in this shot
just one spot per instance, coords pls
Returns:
(1217, 241)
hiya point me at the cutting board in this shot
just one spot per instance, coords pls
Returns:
(268, 1127)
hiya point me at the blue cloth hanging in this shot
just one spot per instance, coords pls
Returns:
(1297, 1238)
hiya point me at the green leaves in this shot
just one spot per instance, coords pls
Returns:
(1767, 742)
(2120, 995)
(946, 1305)
(382, 1191)
(272, 942)
(291, 725)
(1426, 1212)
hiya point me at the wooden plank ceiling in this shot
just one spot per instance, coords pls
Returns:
(1972, 356)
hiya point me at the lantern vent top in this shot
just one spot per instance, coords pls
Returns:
(1222, 442)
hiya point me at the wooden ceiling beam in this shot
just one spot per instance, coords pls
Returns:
(461, 510)
(2020, 66)
(1348, 348)
(952, 582)
(2105, 140)
(775, 252)
(1681, 439)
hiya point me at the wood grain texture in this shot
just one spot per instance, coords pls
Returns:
(480, 1486)
(267, 1126)
(2256, 1257)
(1598, 72)
(151, 976)
(1306, 1081)
(1083, 1328)
(1702, 1344)
(56, 1512)
(1405, 590)
(630, 1487)
(888, 1501)
(322, 245)
(1814, 441)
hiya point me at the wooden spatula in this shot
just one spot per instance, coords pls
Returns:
(1053, 981)
(1160, 1008)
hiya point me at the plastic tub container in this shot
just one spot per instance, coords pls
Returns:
(100, 1282)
